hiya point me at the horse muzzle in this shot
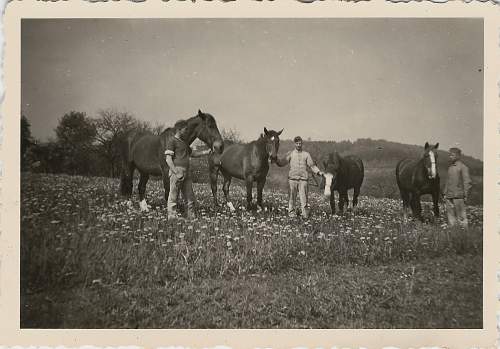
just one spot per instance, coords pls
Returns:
(218, 147)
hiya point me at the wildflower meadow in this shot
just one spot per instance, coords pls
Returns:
(88, 260)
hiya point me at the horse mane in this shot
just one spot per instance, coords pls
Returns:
(335, 156)
(173, 129)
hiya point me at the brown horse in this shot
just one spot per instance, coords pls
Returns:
(342, 174)
(419, 177)
(145, 152)
(248, 162)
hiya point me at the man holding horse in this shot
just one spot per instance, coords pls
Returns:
(178, 152)
(456, 189)
(299, 160)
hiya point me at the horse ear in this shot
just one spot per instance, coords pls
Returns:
(201, 115)
(279, 133)
(437, 145)
(426, 146)
(266, 131)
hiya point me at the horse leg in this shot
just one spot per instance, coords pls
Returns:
(342, 199)
(166, 183)
(355, 198)
(416, 206)
(435, 202)
(214, 174)
(126, 181)
(332, 201)
(260, 188)
(225, 189)
(405, 197)
(142, 191)
(249, 185)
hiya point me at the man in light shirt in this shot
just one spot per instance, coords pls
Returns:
(457, 187)
(300, 161)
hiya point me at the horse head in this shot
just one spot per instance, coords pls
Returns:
(206, 129)
(430, 159)
(272, 143)
(332, 167)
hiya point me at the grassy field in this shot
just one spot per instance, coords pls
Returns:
(89, 261)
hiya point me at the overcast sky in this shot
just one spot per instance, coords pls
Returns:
(404, 80)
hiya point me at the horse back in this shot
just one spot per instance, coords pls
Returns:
(146, 152)
(405, 174)
(242, 160)
(353, 170)
(232, 159)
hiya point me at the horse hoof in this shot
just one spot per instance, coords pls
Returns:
(144, 206)
(231, 206)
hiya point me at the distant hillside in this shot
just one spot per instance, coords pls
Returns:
(377, 153)
(379, 157)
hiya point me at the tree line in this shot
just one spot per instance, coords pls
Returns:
(88, 146)
(82, 145)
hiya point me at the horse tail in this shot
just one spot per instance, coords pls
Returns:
(127, 170)
(361, 170)
(398, 172)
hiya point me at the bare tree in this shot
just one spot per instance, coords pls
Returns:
(231, 136)
(111, 126)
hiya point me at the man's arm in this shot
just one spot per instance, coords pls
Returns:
(467, 180)
(285, 160)
(199, 154)
(170, 162)
(312, 165)
(169, 153)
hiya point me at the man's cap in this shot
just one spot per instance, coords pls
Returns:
(297, 139)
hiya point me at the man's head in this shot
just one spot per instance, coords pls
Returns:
(181, 128)
(298, 143)
(455, 154)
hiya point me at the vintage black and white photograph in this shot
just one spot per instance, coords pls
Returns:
(262, 173)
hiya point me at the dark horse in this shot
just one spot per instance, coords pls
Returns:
(342, 174)
(145, 152)
(248, 162)
(418, 177)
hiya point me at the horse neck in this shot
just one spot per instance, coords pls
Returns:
(260, 148)
(192, 124)
(421, 169)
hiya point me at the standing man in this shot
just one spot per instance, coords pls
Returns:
(298, 176)
(177, 152)
(457, 187)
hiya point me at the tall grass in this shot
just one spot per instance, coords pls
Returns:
(88, 260)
